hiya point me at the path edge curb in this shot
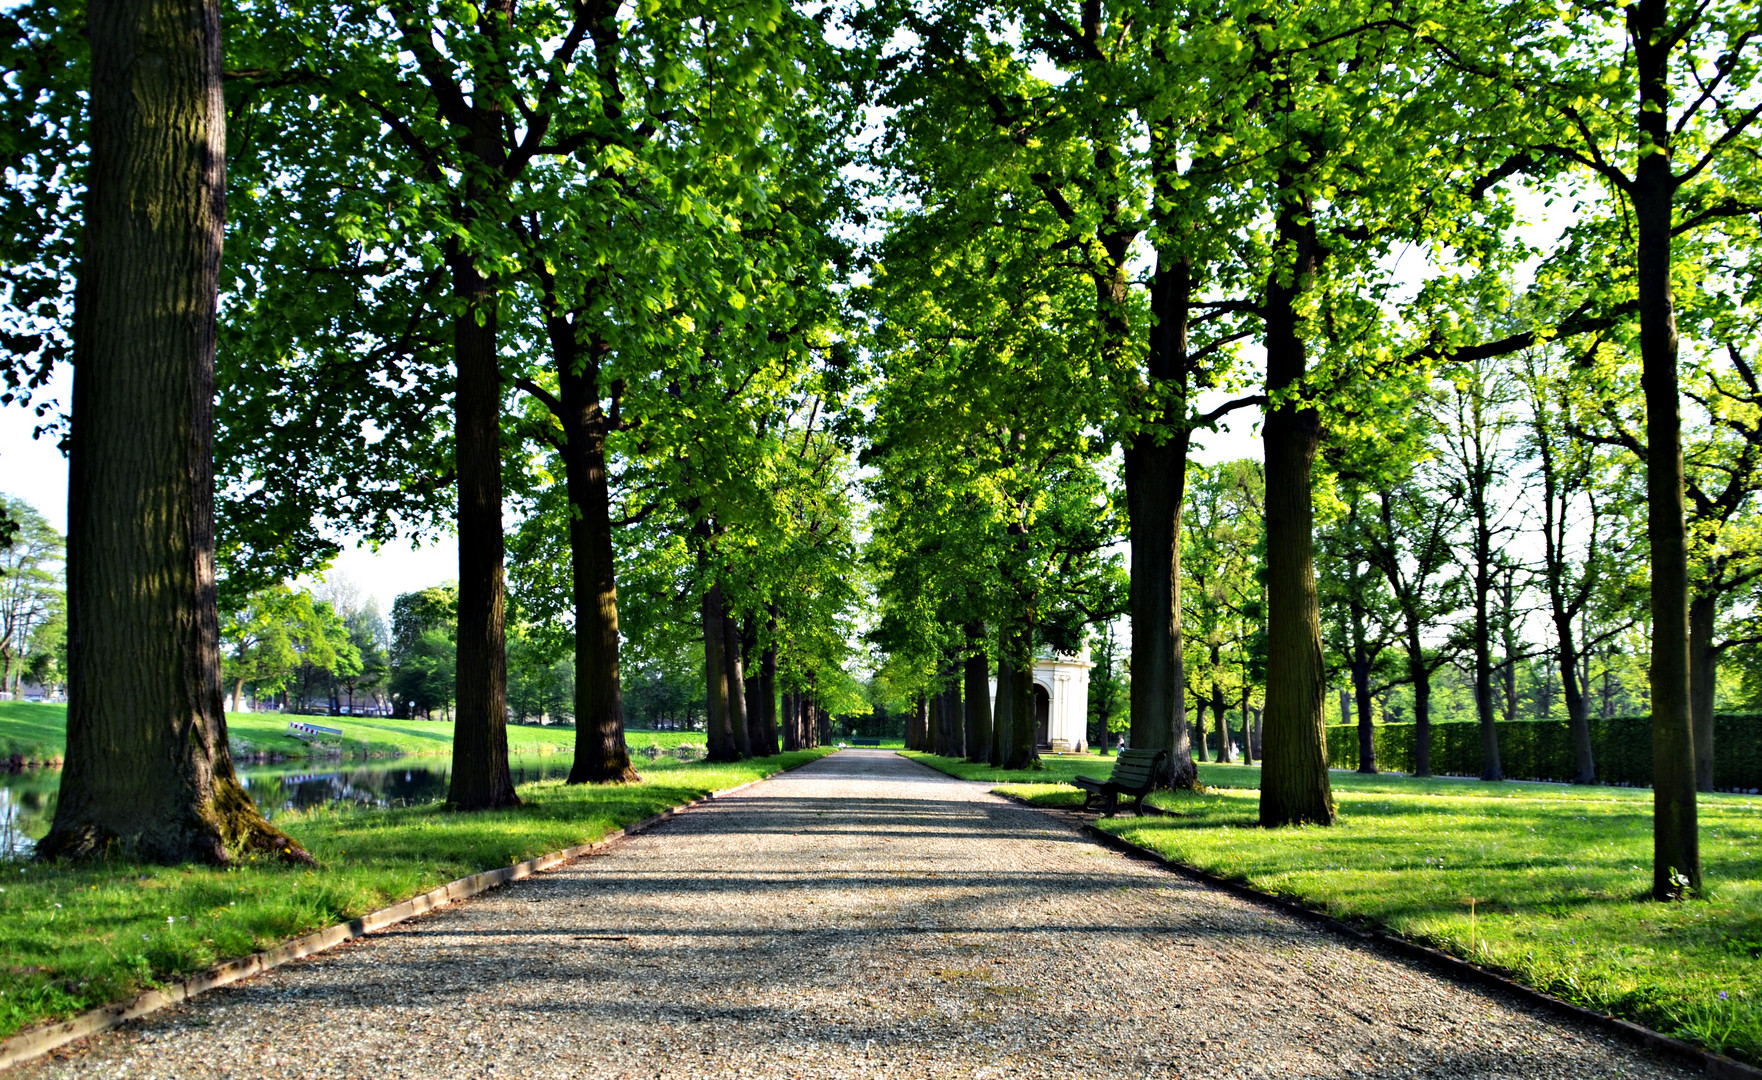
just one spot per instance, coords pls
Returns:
(33, 1043)
(1715, 1065)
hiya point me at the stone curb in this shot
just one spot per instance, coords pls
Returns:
(1715, 1065)
(35, 1042)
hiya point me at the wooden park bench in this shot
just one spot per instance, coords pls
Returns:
(308, 732)
(1134, 774)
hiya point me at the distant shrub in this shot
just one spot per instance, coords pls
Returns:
(1542, 749)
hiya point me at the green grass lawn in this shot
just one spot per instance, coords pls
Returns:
(1558, 876)
(34, 733)
(38, 734)
(74, 938)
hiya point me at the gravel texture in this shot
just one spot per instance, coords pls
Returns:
(859, 917)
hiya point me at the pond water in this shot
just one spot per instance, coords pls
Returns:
(27, 799)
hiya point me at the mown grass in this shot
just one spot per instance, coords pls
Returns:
(73, 938)
(1558, 878)
(38, 734)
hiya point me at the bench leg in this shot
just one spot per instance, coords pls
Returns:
(1110, 804)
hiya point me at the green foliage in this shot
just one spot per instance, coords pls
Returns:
(1542, 749)
(32, 598)
(541, 685)
(281, 633)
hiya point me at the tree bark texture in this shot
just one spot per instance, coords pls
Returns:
(791, 723)
(1676, 849)
(954, 729)
(1023, 753)
(977, 671)
(1577, 710)
(601, 755)
(1247, 727)
(148, 775)
(718, 738)
(1201, 742)
(1294, 783)
(1156, 485)
(1003, 725)
(1218, 708)
(737, 725)
(480, 779)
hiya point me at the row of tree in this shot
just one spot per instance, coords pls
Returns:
(1097, 207)
(600, 265)
(546, 256)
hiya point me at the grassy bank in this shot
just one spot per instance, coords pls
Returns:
(1557, 876)
(38, 734)
(72, 939)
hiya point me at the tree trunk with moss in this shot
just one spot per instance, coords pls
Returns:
(148, 775)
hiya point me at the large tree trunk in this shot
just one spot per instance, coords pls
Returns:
(954, 741)
(1201, 742)
(1367, 736)
(1676, 849)
(978, 695)
(719, 739)
(148, 775)
(792, 729)
(1003, 724)
(1247, 730)
(1156, 485)
(601, 755)
(737, 725)
(755, 712)
(1218, 708)
(1294, 783)
(480, 780)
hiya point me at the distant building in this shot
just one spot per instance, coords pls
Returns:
(1061, 703)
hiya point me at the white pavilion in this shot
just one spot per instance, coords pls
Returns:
(1061, 702)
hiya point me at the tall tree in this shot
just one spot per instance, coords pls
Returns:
(148, 771)
(1475, 432)
(30, 583)
(1652, 102)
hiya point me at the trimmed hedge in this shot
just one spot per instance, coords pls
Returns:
(1542, 749)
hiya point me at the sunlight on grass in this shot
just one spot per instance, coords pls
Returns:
(73, 938)
(38, 733)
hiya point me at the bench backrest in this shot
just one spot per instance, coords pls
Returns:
(1135, 768)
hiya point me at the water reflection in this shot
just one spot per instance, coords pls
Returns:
(27, 799)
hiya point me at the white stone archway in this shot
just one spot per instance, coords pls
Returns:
(1065, 682)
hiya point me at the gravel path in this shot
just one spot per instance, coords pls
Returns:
(860, 917)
